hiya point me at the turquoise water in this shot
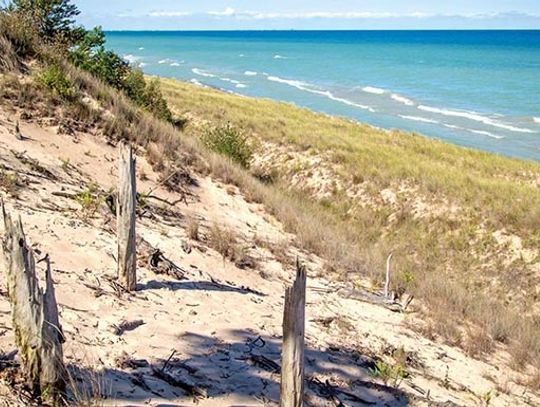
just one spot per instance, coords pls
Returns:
(474, 88)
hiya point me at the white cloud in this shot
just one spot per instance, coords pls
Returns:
(170, 14)
(228, 12)
(328, 15)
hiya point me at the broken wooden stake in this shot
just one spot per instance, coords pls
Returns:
(387, 280)
(38, 334)
(126, 206)
(292, 355)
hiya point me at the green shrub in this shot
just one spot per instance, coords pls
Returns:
(147, 95)
(90, 54)
(54, 79)
(230, 141)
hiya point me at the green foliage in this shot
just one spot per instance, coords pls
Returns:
(147, 95)
(54, 79)
(27, 25)
(90, 54)
(390, 375)
(230, 141)
(90, 200)
(51, 18)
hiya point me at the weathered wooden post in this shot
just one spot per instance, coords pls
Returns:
(387, 279)
(292, 354)
(125, 214)
(38, 334)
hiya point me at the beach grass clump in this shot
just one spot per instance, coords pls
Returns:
(53, 78)
(230, 141)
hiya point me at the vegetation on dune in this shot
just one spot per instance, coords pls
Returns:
(230, 141)
(446, 255)
(46, 29)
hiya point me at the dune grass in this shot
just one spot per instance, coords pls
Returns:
(485, 181)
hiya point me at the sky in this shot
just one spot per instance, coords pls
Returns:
(308, 14)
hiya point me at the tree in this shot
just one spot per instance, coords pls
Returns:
(52, 18)
(90, 54)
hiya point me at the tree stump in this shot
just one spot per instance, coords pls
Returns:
(38, 334)
(292, 355)
(125, 214)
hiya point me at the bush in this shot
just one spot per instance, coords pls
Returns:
(229, 141)
(54, 79)
(147, 95)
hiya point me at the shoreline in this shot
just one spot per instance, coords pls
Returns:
(347, 119)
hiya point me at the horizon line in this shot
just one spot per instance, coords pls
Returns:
(323, 30)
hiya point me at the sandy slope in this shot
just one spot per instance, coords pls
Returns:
(220, 319)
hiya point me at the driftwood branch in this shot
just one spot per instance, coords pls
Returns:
(377, 299)
(292, 366)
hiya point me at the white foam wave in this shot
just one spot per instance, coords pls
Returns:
(141, 48)
(402, 99)
(348, 102)
(536, 120)
(297, 84)
(374, 90)
(241, 85)
(233, 81)
(419, 119)
(307, 88)
(451, 126)
(196, 82)
(200, 72)
(169, 61)
(475, 117)
(250, 73)
(241, 55)
(277, 56)
(142, 64)
(132, 58)
(486, 133)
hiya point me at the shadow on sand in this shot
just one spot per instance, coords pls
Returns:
(242, 371)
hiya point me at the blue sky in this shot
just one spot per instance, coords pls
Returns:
(309, 14)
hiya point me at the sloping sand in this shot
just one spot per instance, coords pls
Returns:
(221, 323)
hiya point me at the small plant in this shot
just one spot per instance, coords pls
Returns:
(390, 375)
(90, 200)
(9, 183)
(54, 79)
(65, 164)
(223, 241)
(486, 398)
(230, 141)
(193, 229)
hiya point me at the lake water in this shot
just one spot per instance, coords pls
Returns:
(474, 88)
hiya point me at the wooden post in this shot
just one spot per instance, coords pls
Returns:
(125, 213)
(387, 280)
(38, 334)
(292, 355)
